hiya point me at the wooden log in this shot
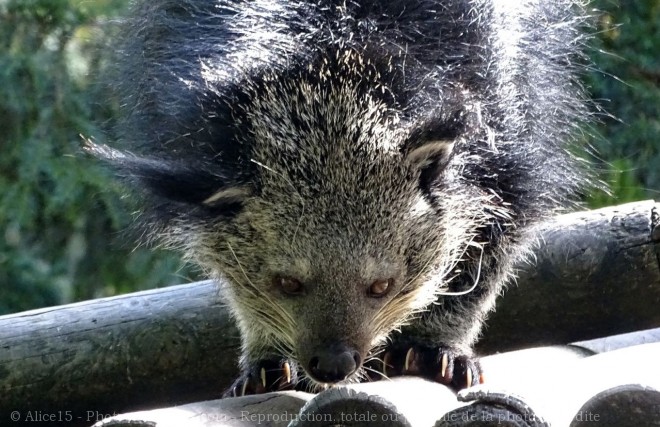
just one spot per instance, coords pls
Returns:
(522, 390)
(271, 409)
(84, 361)
(562, 386)
(597, 274)
(382, 403)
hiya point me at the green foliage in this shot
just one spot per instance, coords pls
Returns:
(626, 82)
(60, 213)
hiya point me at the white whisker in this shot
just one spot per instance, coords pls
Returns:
(476, 279)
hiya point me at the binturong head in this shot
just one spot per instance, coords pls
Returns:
(323, 212)
(342, 236)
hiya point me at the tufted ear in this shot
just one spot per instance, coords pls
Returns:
(176, 182)
(431, 158)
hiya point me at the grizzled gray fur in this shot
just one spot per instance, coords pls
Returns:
(359, 174)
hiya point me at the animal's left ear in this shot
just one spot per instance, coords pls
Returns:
(181, 186)
(431, 158)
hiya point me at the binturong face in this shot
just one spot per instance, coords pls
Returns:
(343, 237)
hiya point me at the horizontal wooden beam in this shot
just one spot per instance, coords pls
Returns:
(165, 346)
(597, 274)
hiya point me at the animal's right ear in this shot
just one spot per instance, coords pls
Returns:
(431, 158)
(182, 186)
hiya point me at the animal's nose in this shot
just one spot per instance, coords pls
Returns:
(334, 364)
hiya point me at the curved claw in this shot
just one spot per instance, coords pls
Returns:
(441, 364)
(264, 377)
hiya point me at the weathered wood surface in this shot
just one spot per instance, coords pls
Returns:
(82, 361)
(520, 391)
(383, 403)
(598, 273)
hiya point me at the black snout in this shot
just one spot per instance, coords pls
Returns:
(333, 364)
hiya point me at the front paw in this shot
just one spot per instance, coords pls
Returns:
(265, 376)
(441, 364)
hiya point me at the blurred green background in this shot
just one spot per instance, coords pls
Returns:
(62, 217)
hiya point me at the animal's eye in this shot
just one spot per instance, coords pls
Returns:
(380, 288)
(289, 286)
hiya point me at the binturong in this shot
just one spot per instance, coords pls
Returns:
(360, 176)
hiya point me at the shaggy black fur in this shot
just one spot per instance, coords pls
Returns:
(465, 112)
